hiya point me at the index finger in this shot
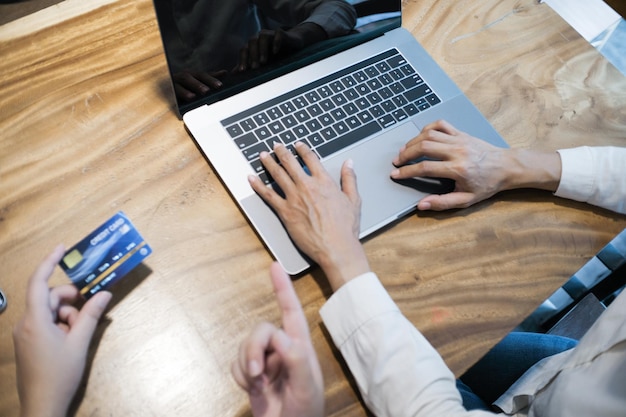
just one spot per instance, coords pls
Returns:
(294, 320)
(37, 292)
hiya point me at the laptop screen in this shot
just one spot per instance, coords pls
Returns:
(217, 48)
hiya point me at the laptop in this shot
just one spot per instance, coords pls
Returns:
(359, 89)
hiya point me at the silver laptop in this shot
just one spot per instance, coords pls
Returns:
(340, 75)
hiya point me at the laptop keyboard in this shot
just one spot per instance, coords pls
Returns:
(335, 111)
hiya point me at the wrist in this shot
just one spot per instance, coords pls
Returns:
(531, 169)
(343, 266)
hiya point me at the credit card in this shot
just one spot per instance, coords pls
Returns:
(105, 255)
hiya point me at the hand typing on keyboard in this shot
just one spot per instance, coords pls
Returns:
(321, 218)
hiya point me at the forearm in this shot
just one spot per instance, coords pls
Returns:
(523, 168)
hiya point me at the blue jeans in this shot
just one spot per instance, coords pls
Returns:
(504, 364)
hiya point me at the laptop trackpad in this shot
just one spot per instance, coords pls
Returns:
(383, 199)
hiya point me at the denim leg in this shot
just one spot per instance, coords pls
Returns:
(507, 361)
(471, 401)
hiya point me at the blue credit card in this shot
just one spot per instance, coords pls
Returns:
(105, 255)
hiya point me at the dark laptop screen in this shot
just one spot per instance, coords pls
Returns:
(217, 48)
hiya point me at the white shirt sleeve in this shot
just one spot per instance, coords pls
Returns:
(595, 175)
(397, 371)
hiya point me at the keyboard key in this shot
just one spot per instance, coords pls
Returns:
(348, 81)
(411, 82)
(315, 139)
(287, 107)
(433, 99)
(385, 79)
(261, 119)
(396, 61)
(351, 94)
(327, 105)
(407, 69)
(424, 106)
(234, 131)
(262, 133)
(374, 98)
(325, 119)
(399, 115)
(253, 152)
(271, 141)
(350, 108)
(353, 122)
(337, 86)
(324, 91)
(363, 89)
(340, 128)
(417, 92)
(339, 99)
(246, 140)
(374, 84)
(388, 106)
(300, 131)
(274, 113)
(276, 127)
(360, 76)
(315, 110)
(348, 139)
(289, 121)
(248, 124)
(287, 137)
(411, 109)
(396, 74)
(300, 102)
(365, 117)
(362, 103)
(399, 101)
(397, 87)
(312, 97)
(328, 133)
(377, 111)
(385, 93)
(383, 66)
(338, 114)
(371, 72)
(257, 166)
(313, 125)
(302, 116)
(386, 120)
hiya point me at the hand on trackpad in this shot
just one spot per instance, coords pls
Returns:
(427, 184)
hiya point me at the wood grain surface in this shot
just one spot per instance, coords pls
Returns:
(88, 128)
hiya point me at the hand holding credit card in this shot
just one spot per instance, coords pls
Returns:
(105, 255)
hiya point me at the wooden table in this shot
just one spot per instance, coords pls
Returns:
(88, 129)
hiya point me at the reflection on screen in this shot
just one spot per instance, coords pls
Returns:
(216, 48)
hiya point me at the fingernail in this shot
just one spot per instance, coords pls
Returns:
(264, 154)
(350, 163)
(424, 205)
(104, 300)
(253, 368)
(275, 145)
(395, 173)
(252, 178)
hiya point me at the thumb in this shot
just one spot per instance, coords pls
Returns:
(446, 201)
(348, 181)
(88, 317)
(297, 357)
